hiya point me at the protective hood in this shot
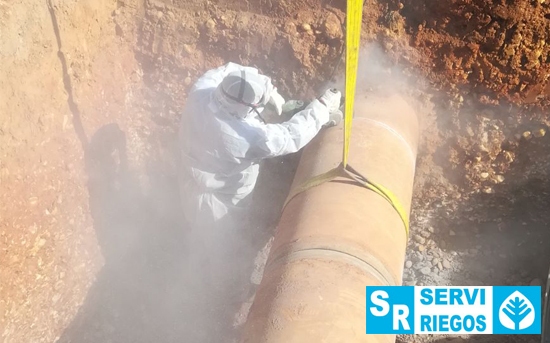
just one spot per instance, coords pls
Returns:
(242, 92)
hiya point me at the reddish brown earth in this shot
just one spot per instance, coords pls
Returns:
(90, 241)
(499, 48)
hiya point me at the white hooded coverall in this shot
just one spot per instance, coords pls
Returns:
(220, 151)
(222, 142)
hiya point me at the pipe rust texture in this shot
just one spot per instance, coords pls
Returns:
(337, 238)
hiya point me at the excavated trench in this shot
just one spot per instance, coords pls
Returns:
(90, 228)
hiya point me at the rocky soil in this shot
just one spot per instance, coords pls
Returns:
(498, 48)
(91, 243)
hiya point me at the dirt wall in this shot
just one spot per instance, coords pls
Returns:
(497, 47)
(49, 254)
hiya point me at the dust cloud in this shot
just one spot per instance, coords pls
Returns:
(481, 191)
(158, 284)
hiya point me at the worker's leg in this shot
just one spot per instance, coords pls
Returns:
(214, 261)
(231, 258)
(200, 311)
(221, 255)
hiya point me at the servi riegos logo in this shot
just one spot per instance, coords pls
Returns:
(453, 310)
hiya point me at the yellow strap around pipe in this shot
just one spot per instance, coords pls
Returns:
(351, 174)
(353, 34)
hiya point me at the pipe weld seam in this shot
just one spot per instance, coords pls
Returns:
(378, 270)
(396, 134)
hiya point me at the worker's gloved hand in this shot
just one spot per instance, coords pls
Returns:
(331, 99)
(276, 101)
(334, 118)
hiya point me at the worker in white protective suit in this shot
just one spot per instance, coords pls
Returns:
(223, 138)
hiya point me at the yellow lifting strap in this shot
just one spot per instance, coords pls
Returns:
(353, 42)
(344, 170)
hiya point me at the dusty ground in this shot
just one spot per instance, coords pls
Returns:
(90, 234)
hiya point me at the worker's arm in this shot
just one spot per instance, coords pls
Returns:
(292, 135)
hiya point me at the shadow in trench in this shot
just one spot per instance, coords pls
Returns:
(513, 243)
(145, 292)
(512, 236)
(140, 294)
(500, 239)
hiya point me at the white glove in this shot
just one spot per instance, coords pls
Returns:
(334, 118)
(277, 101)
(331, 99)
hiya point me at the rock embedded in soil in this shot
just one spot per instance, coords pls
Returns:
(446, 264)
(395, 22)
(211, 24)
(499, 178)
(417, 258)
(56, 298)
(419, 239)
(426, 270)
(305, 27)
(488, 190)
(290, 28)
(408, 264)
(540, 133)
(332, 27)
(421, 265)
(189, 49)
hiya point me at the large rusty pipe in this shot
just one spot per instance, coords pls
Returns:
(337, 238)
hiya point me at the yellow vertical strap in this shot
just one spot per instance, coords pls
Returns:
(353, 34)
